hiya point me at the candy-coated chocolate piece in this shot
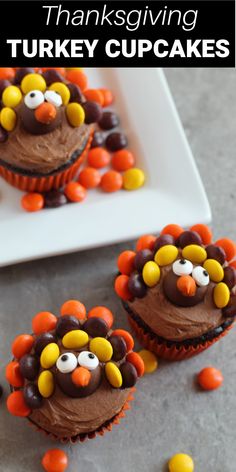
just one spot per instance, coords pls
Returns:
(101, 348)
(172, 229)
(137, 361)
(116, 141)
(75, 114)
(98, 139)
(75, 93)
(229, 247)
(141, 258)
(78, 77)
(75, 339)
(3, 135)
(55, 460)
(52, 75)
(109, 120)
(49, 355)
(111, 181)
(7, 73)
(89, 177)
(136, 285)
(146, 241)
(151, 273)
(8, 118)
(129, 341)
(163, 240)
(229, 276)
(93, 112)
(230, 310)
(29, 366)
(21, 345)
(119, 347)
(42, 341)
(102, 312)
(123, 160)
(65, 324)
(189, 237)
(75, 192)
(214, 269)
(13, 374)
(21, 72)
(54, 199)
(150, 361)
(74, 308)
(166, 255)
(221, 295)
(3, 84)
(33, 82)
(194, 253)
(94, 95)
(32, 396)
(133, 179)
(113, 375)
(11, 96)
(96, 327)
(204, 231)
(98, 157)
(46, 384)
(121, 287)
(216, 252)
(125, 262)
(210, 378)
(63, 91)
(16, 404)
(43, 321)
(107, 96)
(32, 202)
(181, 463)
(129, 375)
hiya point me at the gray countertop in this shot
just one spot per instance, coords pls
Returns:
(169, 414)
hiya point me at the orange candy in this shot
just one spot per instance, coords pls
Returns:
(21, 345)
(16, 404)
(123, 160)
(137, 361)
(89, 177)
(43, 321)
(146, 242)
(79, 78)
(98, 157)
(32, 202)
(229, 247)
(111, 181)
(107, 97)
(102, 312)
(6, 73)
(75, 192)
(74, 308)
(173, 230)
(55, 460)
(204, 231)
(45, 113)
(94, 95)
(126, 336)
(13, 374)
(121, 287)
(125, 262)
(210, 378)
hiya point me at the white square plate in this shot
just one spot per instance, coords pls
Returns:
(173, 191)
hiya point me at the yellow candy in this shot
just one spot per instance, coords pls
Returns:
(151, 273)
(214, 269)
(181, 463)
(46, 383)
(63, 90)
(133, 179)
(74, 68)
(166, 255)
(101, 348)
(49, 355)
(113, 374)
(11, 96)
(221, 295)
(150, 361)
(194, 253)
(33, 82)
(8, 118)
(75, 339)
(75, 114)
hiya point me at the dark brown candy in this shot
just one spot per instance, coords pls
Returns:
(118, 346)
(93, 112)
(3, 135)
(230, 310)
(109, 120)
(1, 391)
(32, 396)
(54, 199)
(141, 258)
(21, 73)
(129, 375)
(116, 141)
(42, 341)
(230, 276)
(189, 237)
(29, 366)
(65, 324)
(136, 285)
(75, 93)
(163, 240)
(98, 139)
(51, 76)
(3, 84)
(95, 326)
(216, 252)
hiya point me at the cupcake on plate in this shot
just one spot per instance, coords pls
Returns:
(45, 129)
(179, 290)
(74, 376)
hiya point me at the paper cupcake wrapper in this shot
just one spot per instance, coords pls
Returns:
(44, 184)
(172, 353)
(99, 432)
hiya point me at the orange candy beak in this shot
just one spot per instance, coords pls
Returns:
(45, 113)
(186, 285)
(81, 377)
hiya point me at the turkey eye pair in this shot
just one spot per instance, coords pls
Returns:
(35, 98)
(185, 267)
(68, 362)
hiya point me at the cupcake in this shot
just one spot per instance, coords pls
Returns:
(74, 377)
(45, 129)
(179, 290)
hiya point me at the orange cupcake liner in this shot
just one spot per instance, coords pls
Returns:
(99, 432)
(172, 353)
(44, 184)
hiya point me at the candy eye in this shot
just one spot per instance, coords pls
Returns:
(201, 276)
(66, 363)
(88, 359)
(182, 267)
(53, 97)
(33, 99)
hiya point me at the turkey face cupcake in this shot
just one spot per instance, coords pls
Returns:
(179, 290)
(74, 376)
(45, 130)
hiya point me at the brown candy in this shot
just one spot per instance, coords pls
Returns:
(163, 240)
(75, 93)
(51, 76)
(54, 199)
(230, 310)
(96, 327)
(119, 347)
(42, 341)
(189, 237)
(109, 120)
(65, 324)
(141, 258)
(93, 112)
(229, 276)
(116, 141)
(129, 375)
(98, 139)
(29, 366)
(216, 252)
(136, 285)
(32, 396)
(21, 73)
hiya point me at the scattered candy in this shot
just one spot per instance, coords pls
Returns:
(111, 181)
(107, 97)
(210, 378)
(102, 348)
(129, 375)
(63, 91)
(136, 285)
(54, 199)
(146, 242)
(79, 78)
(46, 384)
(65, 324)
(113, 375)
(21, 345)
(102, 312)
(126, 336)
(33, 82)
(8, 118)
(133, 179)
(42, 341)
(229, 247)
(74, 308)
(75, 339)
(32, 202)
(29, 366)
(150, 361)
(214, 269)
(32, 396)
(13, 374)
(94, 95)
(11, 96)
(89, 177)
(204, 231)
(181, 463)
(116, 141)
(166, 255)
(98, 139)
(141, 258)
(125, 262)
(93, 112)
(49, 355)
(151, 273)
(75, 192)
(121, 287)
(16, 404)
(75, 114)
(98, 157)
(109, 120)
(137, 361)
(43, 321)
(221, 295)
(123, 160)
(173, 229)
(119, 347)
(194, 253)
(55, 460)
